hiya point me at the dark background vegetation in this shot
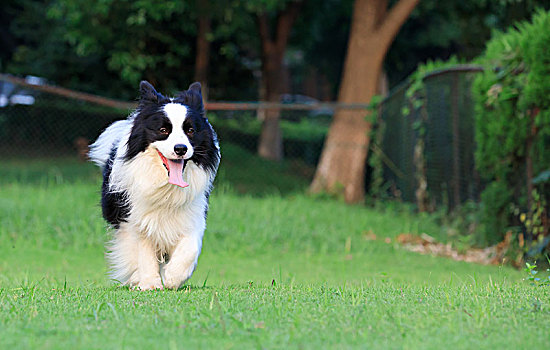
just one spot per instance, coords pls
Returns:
(77, 44)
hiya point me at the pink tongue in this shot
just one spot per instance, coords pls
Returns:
(176, 174)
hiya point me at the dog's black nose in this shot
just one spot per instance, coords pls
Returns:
(180, 149)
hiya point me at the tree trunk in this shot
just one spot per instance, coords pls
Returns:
(202, 57)
(270, 145)
(341, 169)
(271, 140)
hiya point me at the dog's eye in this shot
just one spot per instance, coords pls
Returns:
(190, 131)
(163, 131)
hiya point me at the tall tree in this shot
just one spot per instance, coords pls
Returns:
(274, 44)
(373, 29)
(202, 55)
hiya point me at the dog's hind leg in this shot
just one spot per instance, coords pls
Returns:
(133, 260)
(148, 266)
(121, 256)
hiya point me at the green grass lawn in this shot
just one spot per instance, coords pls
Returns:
(278, 270)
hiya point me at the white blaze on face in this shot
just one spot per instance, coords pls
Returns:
(177, 114)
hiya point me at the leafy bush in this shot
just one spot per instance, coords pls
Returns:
(513, 122)
(495, 212)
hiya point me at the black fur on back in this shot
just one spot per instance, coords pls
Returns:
(114, 205)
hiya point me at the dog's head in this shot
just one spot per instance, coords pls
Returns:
(175, 127)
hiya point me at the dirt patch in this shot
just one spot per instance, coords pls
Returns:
(427, 245)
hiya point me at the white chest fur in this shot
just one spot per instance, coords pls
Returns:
(162, 212)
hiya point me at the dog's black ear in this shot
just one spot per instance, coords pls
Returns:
(196, 87)
(137, 142)
(193, 97)
(147, 92)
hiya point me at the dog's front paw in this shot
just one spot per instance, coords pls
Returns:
(172, 281)
(150, 284)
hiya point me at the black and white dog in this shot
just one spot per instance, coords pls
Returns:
(158, 168)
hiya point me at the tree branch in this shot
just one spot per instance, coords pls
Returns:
(263, 27)
(371, 12)
(285, 22)
(396, 17)
(381, 10)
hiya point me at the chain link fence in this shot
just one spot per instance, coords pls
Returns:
(47, 122)
(42, 122)
(427, 152)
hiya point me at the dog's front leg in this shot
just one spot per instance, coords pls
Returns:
(148, 266)
(182, 262)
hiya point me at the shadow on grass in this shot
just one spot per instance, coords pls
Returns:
(183, 289)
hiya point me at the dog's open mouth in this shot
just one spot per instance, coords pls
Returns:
(175, 170)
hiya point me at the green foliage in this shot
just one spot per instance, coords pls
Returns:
(532, 277)
(535, 222)
(375, 155)
(534, 44)
(373, 109)
(136, 38)
(461, 226)
(107, 46)
(440, 29)
(416, 91)
(512, 110)
(41, 50)
(495, 212)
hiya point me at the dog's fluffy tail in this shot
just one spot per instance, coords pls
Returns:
(101, 149)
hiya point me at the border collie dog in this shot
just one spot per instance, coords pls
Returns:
(158, 168)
